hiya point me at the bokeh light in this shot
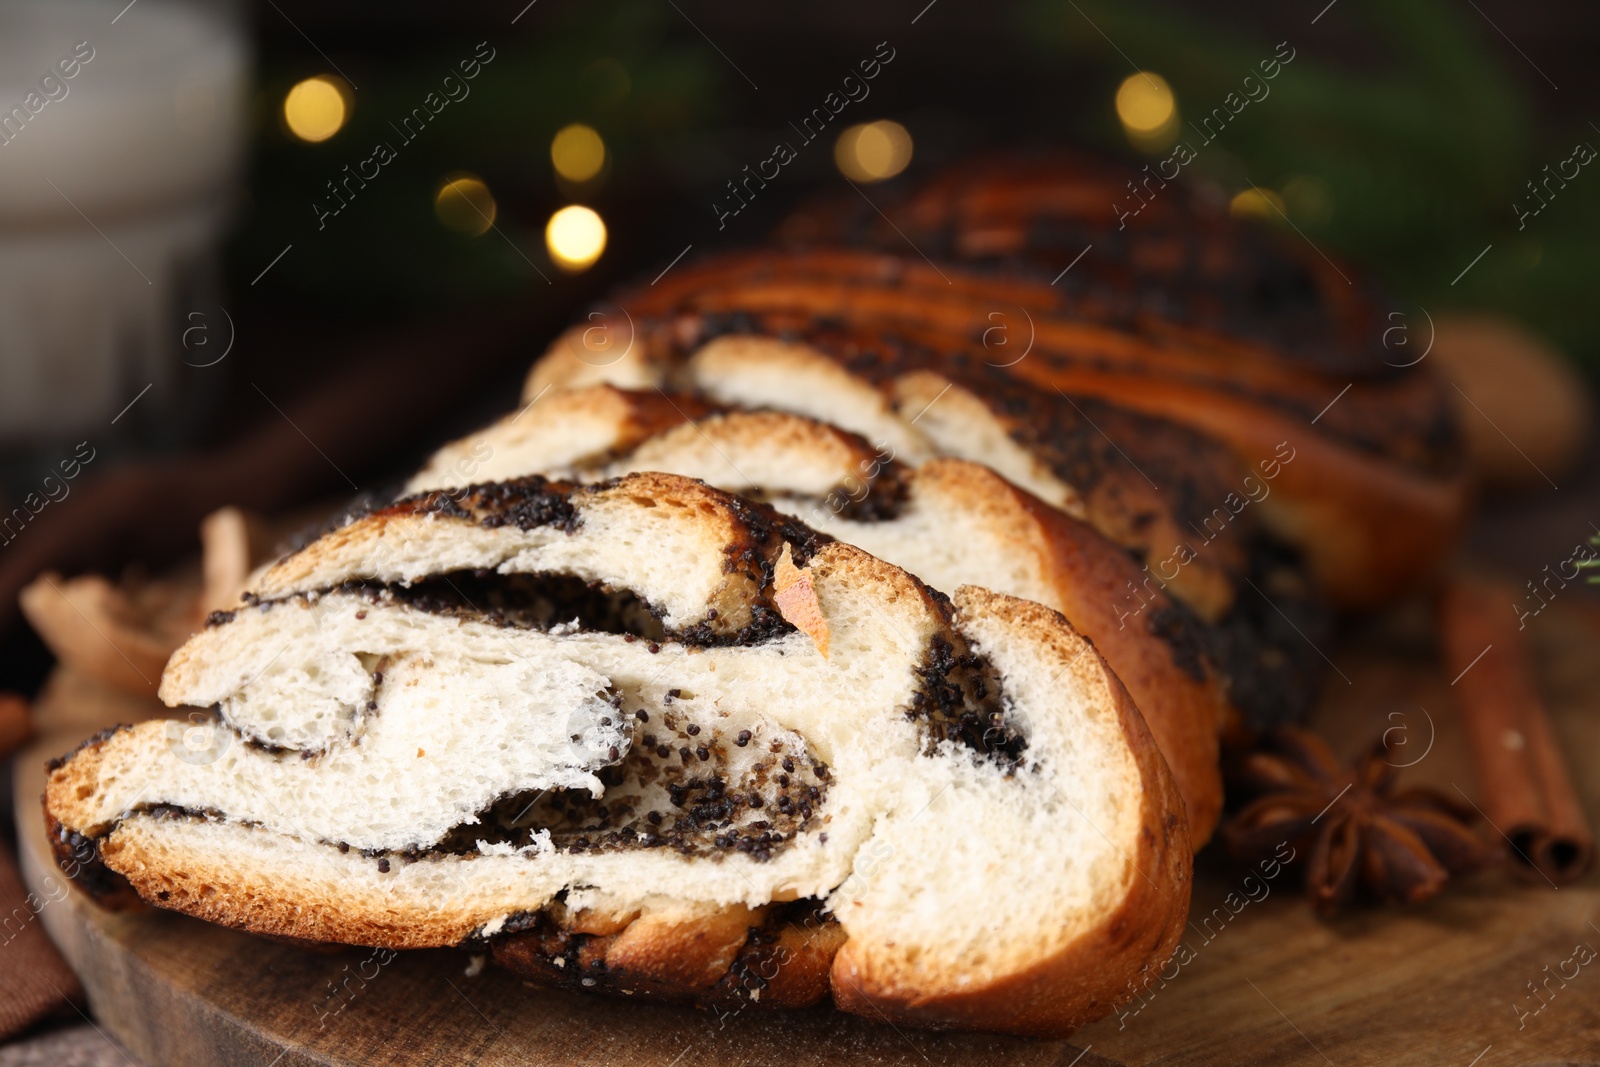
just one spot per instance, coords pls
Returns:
(1147, 109)
(578, 152)
(873, 151)
(575, 236)
(463, 203)
(317, 108)
(1254, 203)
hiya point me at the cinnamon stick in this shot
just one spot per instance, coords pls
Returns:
(1525, 786)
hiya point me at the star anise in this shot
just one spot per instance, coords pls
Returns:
(1350, 825)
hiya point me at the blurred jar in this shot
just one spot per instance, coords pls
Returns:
(121, 136)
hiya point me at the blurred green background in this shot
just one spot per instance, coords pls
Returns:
(1398, 138)
(1407, 156)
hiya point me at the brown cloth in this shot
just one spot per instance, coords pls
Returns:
(35, 978)
(37, 983)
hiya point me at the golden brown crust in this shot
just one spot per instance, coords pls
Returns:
(773, 957)
(958, 305)
(140, 868)
(794, 970)
(78, 857)
(905, 296)
(1215, 272)
(72, 779)
(1089, 975)
(689, 950)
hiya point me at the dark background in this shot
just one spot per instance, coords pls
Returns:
(376, 337)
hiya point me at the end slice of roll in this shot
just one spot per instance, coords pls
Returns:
(508, 723)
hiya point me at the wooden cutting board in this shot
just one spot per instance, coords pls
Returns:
(1446, 982)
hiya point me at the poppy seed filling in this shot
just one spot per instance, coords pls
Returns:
(678, 774)
(700, 790)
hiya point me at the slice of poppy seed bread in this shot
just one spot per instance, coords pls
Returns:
(1167, 495)
(639, 736)
(950, 522)
(1372, 500)
(1100, 465)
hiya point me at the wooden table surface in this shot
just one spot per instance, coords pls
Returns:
(1446, 982)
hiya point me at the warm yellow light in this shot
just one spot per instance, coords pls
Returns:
(1257, 204)
(873, 151)
(1146, 106)
(575, 237)
(465, 204)
(316, 108)
(578, 152)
